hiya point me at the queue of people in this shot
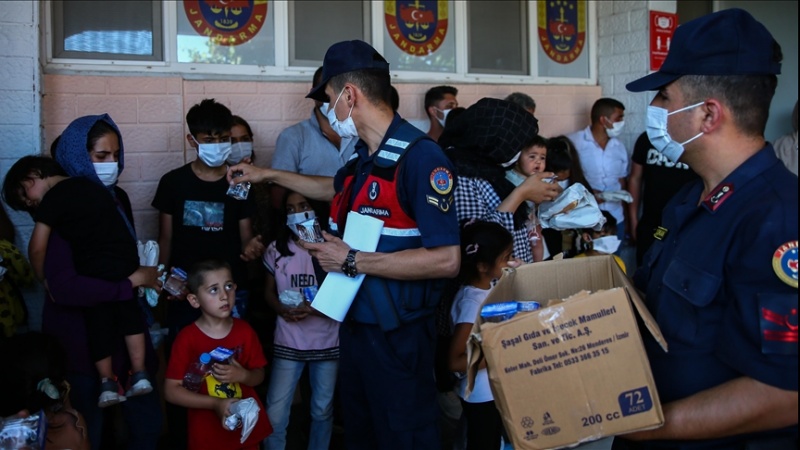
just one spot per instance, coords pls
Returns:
(458, 203)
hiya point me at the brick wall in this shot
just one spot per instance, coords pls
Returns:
(20, 116)
(623, 56)
(150, 112)
(21, 106)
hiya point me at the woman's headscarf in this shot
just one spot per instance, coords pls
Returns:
(72, 153)
(486, 138)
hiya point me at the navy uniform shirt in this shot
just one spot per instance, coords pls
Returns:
(721, 280)
(423, 189)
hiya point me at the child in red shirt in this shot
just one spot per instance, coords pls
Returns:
(212, 290)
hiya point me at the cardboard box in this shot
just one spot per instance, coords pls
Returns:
(575, 370)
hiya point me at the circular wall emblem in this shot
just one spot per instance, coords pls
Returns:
(227, 22)
(562, 29)
(784, 262)
(416, 27)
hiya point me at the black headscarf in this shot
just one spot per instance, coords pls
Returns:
(486, 136)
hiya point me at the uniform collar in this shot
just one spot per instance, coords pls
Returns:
(361, 146)
(754, 166)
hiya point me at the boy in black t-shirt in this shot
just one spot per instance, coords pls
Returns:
(86, 216)
(199, 221)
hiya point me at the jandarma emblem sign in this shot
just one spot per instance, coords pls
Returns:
(562, 29)
(227, 22)
(416, 27)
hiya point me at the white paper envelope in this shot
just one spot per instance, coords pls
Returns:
(338, 290)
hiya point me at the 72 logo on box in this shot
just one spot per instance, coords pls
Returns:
(635, 401)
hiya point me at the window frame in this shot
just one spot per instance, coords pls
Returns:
(291, 39)
(526, 50)
(56, 38)
(283, 71)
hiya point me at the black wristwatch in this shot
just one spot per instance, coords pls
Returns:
(349, 266)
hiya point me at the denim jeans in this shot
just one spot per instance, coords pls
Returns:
(142, 413)
(282, 384)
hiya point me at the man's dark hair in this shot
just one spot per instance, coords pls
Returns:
(209, 117)
(317, 79)
(605, 107)
(522, 99)
(27, 168)
(196, 275)
(436, 94)
(395, 99)
(374, 83)
(747, 96)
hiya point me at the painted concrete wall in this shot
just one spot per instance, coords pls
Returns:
(20, 115)
(623, 56)
(150, 112)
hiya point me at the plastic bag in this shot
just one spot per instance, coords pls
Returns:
(575, 208)
(148, 256)
(244, 413)
(615, 196)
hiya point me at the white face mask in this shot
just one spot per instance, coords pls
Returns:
(659, 136)
(444, 112)
(294, 219)
(107, 172)
(213, 154)
(616, 129)
(345, 128)
(606, 244)
(240, 151)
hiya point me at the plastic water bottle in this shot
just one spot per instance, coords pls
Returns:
(197, 372)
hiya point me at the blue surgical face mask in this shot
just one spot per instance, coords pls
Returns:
(324, 108)
(659, 136)
(107, 172)
(344, 128)
(240, 151)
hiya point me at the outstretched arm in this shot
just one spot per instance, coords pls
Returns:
(314, 187)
